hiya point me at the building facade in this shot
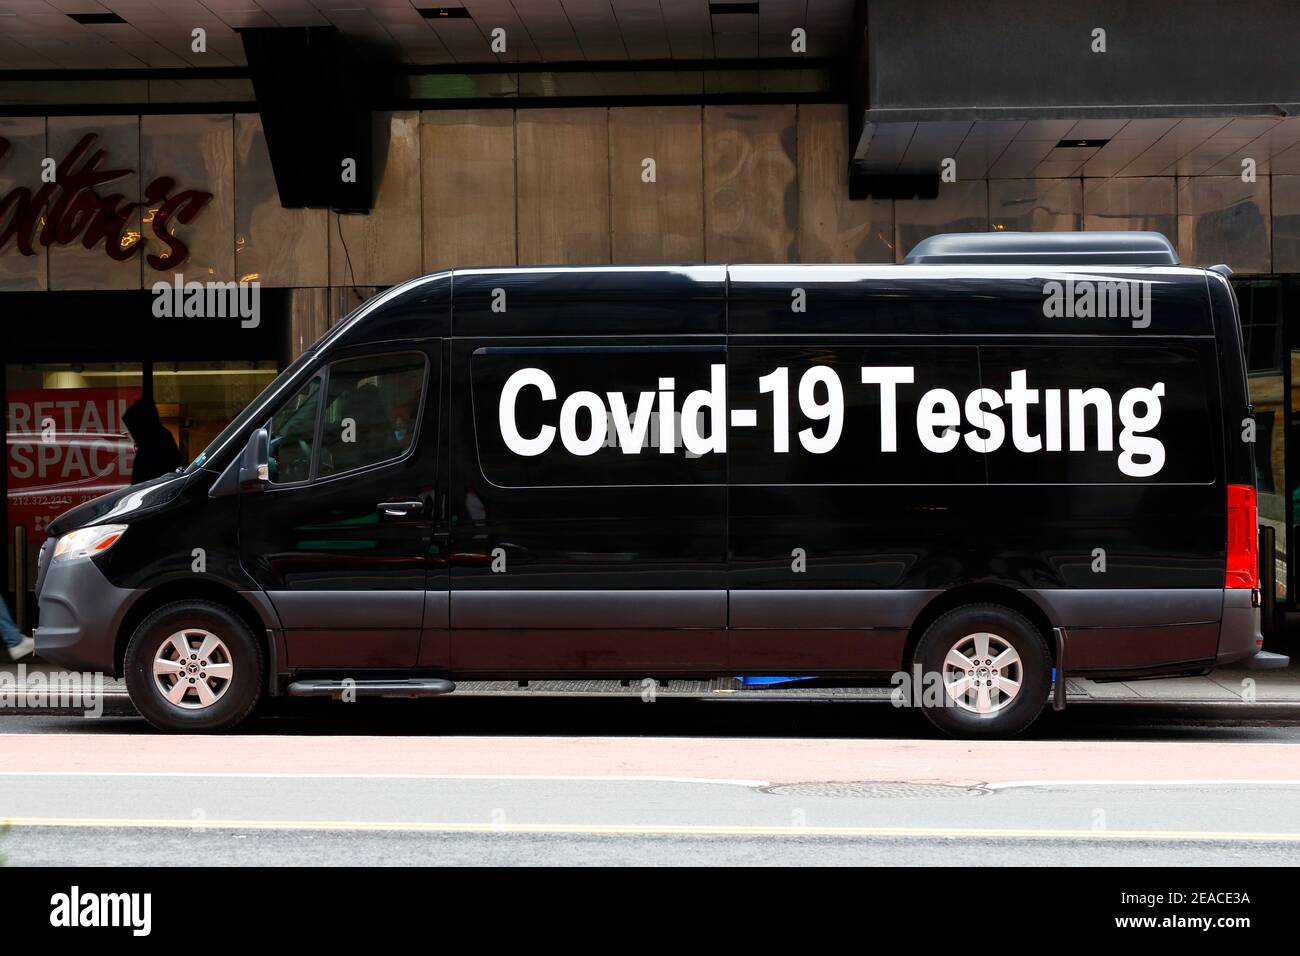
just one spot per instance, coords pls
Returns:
(101, 201)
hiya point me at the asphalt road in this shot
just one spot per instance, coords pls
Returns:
(679, 782)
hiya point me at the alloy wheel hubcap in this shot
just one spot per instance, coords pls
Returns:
(193, 669)
(982, 673)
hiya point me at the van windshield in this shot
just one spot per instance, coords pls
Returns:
(290, 372)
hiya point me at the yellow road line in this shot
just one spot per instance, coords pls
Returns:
(659, 829)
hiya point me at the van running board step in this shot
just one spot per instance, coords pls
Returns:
(416, 687)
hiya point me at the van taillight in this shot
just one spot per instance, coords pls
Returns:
(1243, 539)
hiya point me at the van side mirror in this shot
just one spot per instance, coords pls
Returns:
(254, 465)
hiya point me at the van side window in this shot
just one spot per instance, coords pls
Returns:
(372, 406)
(293, 435)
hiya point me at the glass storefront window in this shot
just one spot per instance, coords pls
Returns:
(197, 400)
(1260, 301)
(65, 443)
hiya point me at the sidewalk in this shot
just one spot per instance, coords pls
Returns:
(1229, 685)
(1225, 685)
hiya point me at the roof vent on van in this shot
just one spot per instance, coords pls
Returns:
(1045, 248)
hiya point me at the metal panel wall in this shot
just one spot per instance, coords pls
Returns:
(383, 248)
(73, 266)
(496, 187)
(309, 318)
(1133, 203)
(273, 245)
(467, 167)
(751, 189)
(313, 312)
(962, 206)
(1286, 223)
(833, 228)
(1035, 205)
(1222, 219)
(659, 219)
(563, 177)
(199, 153)
(20, 169)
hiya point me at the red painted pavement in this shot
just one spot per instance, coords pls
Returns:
(772, 760)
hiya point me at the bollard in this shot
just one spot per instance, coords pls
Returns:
(20, 577)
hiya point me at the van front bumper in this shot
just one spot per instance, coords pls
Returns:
(81, 612)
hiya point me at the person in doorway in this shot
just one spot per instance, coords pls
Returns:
(17, 645)
(155, 449)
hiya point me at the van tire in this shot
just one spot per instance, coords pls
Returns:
(1003, 629)
(231, 697)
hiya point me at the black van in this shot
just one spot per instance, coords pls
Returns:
(1010, 458)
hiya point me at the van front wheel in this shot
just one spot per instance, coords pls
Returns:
(194, 666)
(990, 670)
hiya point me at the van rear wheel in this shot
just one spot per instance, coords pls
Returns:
(194, 666)
(990, 668)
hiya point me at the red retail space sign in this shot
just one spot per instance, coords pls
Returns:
(65, 446)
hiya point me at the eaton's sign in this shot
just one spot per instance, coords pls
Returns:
(67, 207)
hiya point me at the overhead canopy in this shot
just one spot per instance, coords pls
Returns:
(890, 145)
(1015, 90)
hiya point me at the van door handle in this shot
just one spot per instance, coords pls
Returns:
(400, 509)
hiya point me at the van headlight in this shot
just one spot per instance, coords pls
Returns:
(86, 541)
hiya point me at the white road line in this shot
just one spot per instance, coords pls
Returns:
(496, 777)
(1215, 782)
(640, 778)
(666, 829)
